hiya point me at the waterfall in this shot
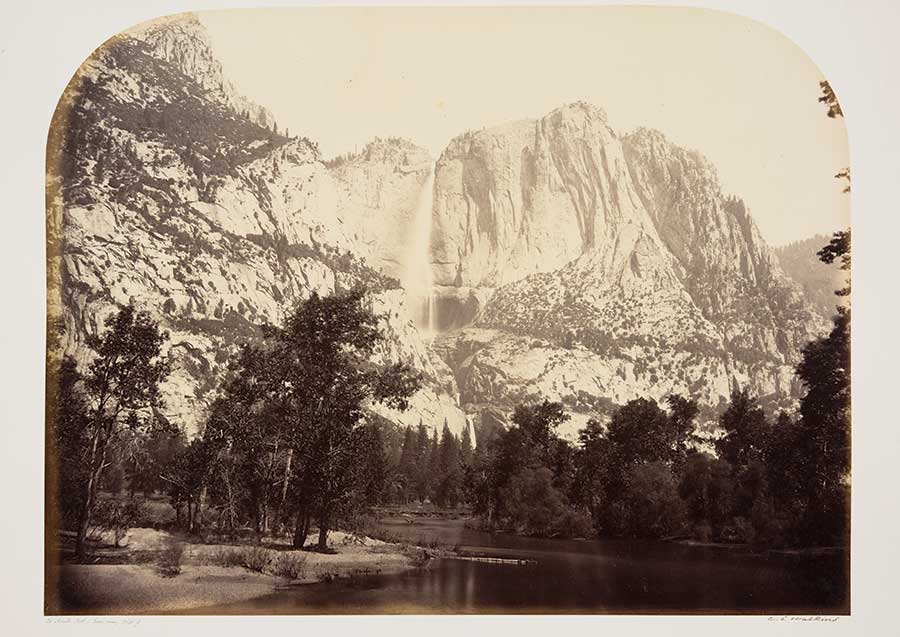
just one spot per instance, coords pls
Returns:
(416, 274)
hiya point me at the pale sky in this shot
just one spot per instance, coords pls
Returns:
(738, 92)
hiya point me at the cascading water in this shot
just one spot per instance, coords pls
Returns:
(416, 267)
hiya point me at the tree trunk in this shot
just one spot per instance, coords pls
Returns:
(198, 510)
(84, 521)
(284, 485)
(301, 530)
(90, 495)
(323, 529)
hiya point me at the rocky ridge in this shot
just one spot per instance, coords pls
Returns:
(167, 191)
(569, 262)
(607, 267)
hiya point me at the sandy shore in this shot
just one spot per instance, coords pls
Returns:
(140, 588)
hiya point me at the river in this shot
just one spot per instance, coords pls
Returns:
(574, 576)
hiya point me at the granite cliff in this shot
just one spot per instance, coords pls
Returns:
(169, 190)
(554, 258)
(596, 267)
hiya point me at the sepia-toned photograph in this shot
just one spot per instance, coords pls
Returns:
(458, 310)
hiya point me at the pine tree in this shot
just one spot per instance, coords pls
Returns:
(406, 468)
(465, 446)
(434, 456)
(449, 471)
(423, 455)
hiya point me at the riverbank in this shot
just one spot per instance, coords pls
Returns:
(142, 577)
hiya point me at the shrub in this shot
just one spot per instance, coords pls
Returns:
(574, 523)
(255, 558)
(532, 504)
(228, 557)
(117, 517)
(290, 565)
(169, 561)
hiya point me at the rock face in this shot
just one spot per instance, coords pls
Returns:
(567, 261)
(607, 268)
(818, 280)
(168, 190)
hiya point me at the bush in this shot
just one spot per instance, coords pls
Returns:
(290, 565)
(169, 561)
(255, 558)
(738, 530)
(228, 557)
(117, 517)
(574, 523)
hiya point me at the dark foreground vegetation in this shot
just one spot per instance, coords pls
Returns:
(290, 445)
(287, 440)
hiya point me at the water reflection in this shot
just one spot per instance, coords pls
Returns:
(577, 577)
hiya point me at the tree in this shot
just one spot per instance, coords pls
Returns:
(532, 503)
(449, 470)
(406, 467)
(593, 468)
(830, 100)
(250, 419)
(320, 358)
(373, 464)
(433, 464)
(745, 427)
(538, 423)
(824, 426)
(838, 248)
(682, 412)
(640, 431)
(422, 458)
(707, 488)
(465, 446)
(187, 478)
(650, 505)
(122, 386)
(70, 435)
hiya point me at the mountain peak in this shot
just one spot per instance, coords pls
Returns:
(579, 110)
(183, 41)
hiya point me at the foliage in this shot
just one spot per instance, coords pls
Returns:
(290, 438)
(70, 434)
(830, 100)
(290, 565)
(650, 505)
(531, 503)
(168, 562)
(745, 427)
(255, 558)
(118, 394)
(117, 517)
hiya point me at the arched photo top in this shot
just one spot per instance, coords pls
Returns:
(319, 276)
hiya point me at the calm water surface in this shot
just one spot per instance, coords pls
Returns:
(574, 576)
